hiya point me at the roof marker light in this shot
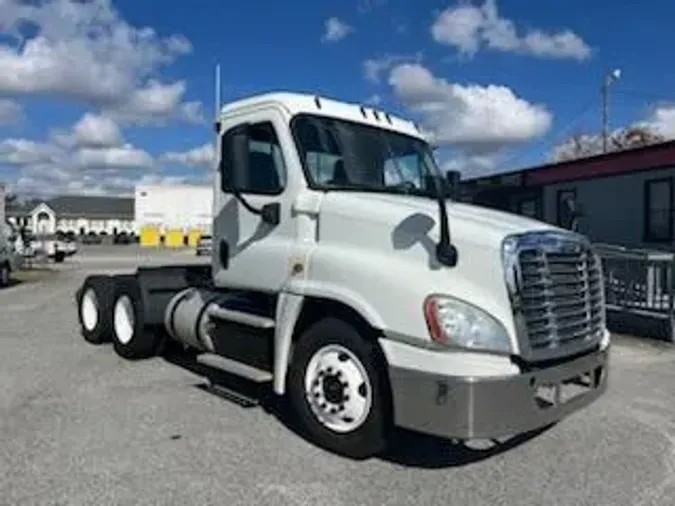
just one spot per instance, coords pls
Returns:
(317, 101)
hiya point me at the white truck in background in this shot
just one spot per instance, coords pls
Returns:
(345, 276)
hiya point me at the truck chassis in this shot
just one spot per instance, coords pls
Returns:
(235, 332)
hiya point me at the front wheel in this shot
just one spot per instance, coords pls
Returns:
(338, 389)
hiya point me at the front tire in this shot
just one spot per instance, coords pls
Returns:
(339, 390)
(131, 339)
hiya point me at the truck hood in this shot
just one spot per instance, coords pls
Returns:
(379, 252)
(407, 215)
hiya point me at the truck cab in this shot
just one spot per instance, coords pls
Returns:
(345, 275)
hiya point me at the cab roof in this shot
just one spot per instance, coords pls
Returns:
(299, 103)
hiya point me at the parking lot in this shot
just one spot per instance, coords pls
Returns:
(80, 426)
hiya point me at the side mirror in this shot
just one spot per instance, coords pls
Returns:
(452, 179)
(234, 159)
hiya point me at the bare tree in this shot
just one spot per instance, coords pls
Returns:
(584, 145)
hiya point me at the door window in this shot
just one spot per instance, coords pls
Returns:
(267, 170)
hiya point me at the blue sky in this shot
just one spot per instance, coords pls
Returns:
(496, 83)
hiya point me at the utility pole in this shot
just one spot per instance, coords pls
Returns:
(610, 78)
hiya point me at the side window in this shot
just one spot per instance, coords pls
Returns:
(267, 170)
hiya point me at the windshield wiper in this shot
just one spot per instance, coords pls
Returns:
(446, 252)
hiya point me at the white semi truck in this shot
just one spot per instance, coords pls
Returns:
(345, 276)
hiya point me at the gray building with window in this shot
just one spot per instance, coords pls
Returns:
(623, 198)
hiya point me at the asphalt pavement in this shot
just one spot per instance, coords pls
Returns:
(81, 426)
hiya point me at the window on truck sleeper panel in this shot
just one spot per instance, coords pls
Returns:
(267, 169)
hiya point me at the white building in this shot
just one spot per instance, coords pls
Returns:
(76, 215)
(174, 207)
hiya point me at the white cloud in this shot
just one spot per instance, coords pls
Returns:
(335, 29)
(374, 68)
(156, 104)
(23, 152)
(91, 156)
(480, 119)
(199, 157)
(374, 100)
(10, 112)
(472, 166)
(84, 51)
(468, 27)
(31, 184)
(96, 131)
(662, 120)
(123, 157)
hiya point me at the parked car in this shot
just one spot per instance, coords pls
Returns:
(54, 246)
(10, 259)
(204, 245)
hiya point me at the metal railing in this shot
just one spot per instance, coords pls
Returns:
(639, 290)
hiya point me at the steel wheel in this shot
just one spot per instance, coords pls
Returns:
(338, 389)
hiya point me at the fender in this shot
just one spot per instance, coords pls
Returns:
(288, 310)
(290, 305)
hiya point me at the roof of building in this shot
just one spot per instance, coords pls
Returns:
(92, 206)
(80, 206)
(298, 103)
(615, 163)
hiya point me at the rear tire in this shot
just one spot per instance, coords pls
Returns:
(94, 303)
(131, 338)
(339, 390)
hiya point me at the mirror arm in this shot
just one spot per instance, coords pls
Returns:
(245, 203)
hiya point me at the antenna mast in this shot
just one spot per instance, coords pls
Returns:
(217, 91)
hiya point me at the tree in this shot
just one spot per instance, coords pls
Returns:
(584, 145)
(10, 199)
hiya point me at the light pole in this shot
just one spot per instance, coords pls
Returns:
(610, 78)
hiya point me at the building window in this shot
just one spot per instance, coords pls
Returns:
(566, 207)
(658, 210)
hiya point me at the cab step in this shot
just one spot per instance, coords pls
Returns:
(234, 367)
(231, 395)
(241, 317)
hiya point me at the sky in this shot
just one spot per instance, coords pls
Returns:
(97, 96)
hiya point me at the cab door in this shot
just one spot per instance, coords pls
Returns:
(250, 252)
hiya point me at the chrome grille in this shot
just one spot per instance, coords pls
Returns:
(559, 295)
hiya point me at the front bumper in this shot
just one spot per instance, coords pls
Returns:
(490, 407)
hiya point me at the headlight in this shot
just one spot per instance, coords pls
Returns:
(453, 322)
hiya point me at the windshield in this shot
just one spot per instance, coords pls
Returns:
(342, 155)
